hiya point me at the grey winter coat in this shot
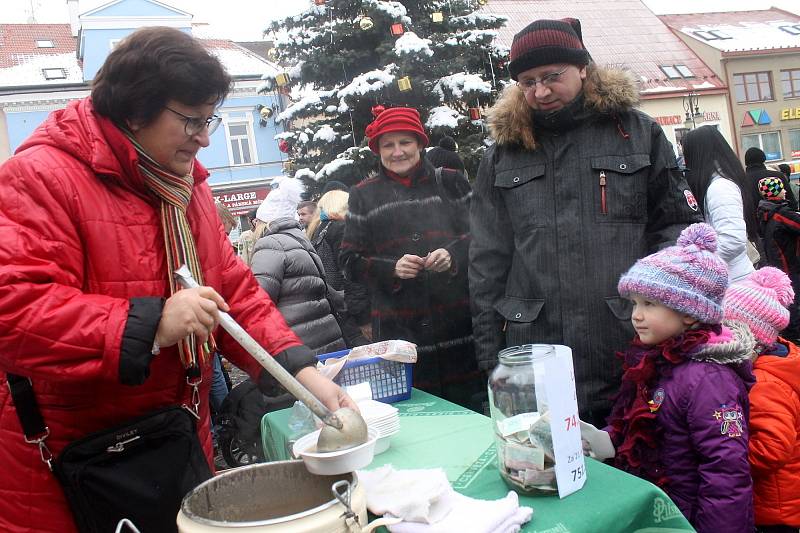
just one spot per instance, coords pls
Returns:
(287, 267)
(558, 215)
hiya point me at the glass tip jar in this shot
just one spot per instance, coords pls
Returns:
(520, 419)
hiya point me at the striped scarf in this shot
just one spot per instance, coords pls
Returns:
(175, 192)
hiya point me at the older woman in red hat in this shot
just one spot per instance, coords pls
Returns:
(407, 237)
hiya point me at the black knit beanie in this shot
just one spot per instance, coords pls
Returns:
(754, 156)
(547, 42)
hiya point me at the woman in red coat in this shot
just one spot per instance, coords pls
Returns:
(97, 208)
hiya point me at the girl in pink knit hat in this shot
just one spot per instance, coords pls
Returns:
(761, 301)
(680, 418)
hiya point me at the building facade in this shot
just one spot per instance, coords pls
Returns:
(757, 53)
(45, 66)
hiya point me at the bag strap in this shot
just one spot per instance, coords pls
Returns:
(30, 417)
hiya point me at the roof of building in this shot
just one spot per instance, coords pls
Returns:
(740, 31)
(23, 63)
(38, 54)
(620, 33)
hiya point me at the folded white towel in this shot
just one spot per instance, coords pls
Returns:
(477, 516)
(426, 503)
(414, 495)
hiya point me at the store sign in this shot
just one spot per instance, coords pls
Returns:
(669, 120)
(755, 117)
(795, 153)
(241, 201)
(711, 116)
(790, 113)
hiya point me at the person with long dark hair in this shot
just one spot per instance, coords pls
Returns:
(729, 204)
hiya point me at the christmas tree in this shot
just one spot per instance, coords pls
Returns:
(345, 57)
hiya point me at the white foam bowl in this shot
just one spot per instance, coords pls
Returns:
(383, 443)
(334, 463)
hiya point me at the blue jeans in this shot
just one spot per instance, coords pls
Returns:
(219, 389)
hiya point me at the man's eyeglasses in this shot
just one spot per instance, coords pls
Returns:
(194, 125)
(546, 80)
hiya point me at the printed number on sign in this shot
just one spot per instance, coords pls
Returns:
(577, 473)
(572, 422)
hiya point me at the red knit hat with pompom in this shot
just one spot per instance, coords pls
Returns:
(394, 119)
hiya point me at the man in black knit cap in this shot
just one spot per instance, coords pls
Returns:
(756, 168)
(577, 186)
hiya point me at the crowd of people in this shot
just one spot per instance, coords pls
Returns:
(675, 289)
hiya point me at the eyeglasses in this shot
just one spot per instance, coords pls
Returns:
(194, 125)
(546, 80)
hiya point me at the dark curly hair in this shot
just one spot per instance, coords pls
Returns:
(152, 66)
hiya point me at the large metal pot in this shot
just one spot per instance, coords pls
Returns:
(273, 497)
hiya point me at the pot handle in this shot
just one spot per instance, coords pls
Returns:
(341, 491)
(380, 522)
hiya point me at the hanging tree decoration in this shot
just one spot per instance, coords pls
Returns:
(404, 83)
(474, 113)
(437, 17)
(282, 79)
(319, 2)
(283, 146)
(365, 22)
(397, 29)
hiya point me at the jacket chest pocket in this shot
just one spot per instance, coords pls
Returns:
(525, 195)
(620, 185)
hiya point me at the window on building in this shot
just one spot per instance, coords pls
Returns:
(684, 71)
(791, 29)
(676, 71)
(44, 43)
(790, 81)
(240, 140)
(670, 71)
(794, 143)
(769, 142)
(712, 35)
(752, 87)
(54, 73)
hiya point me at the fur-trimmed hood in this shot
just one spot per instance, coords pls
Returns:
(606, 91)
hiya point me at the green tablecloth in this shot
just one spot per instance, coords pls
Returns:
(435, 433)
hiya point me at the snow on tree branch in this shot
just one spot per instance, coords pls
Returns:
(443, 117)
(462, 86)
(411, 45)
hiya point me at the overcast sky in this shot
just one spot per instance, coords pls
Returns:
(245, 20)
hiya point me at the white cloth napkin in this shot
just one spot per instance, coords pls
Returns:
(414, 495)
(427, 503)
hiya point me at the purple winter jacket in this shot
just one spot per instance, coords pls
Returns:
(703, 409)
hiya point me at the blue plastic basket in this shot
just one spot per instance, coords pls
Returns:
(390, 380)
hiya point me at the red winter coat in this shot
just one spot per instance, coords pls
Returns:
(80, 241)
(775, 438)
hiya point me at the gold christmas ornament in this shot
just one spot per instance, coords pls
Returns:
(365, 23)
(483, 2)
(437, 17)
(282, 79)
(404, 83)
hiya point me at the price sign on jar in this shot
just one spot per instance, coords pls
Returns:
(564, 422)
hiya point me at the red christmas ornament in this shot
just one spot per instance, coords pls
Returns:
(377, 110)
(474, 113)
(397, 29)
(319, 2)
(283, 145)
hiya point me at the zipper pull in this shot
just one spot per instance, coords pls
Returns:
(603, 206)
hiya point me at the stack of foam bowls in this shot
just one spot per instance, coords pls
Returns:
(383, 417)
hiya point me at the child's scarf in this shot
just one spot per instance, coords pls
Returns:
(632, 418)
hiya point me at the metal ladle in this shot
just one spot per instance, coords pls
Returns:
(343, 429)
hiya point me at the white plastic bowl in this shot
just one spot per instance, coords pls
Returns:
(334, 463)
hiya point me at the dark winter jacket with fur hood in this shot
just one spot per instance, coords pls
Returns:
(560, 211)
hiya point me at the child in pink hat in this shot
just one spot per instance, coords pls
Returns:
(761, 301)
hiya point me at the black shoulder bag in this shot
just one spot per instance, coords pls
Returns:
(139, 470)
